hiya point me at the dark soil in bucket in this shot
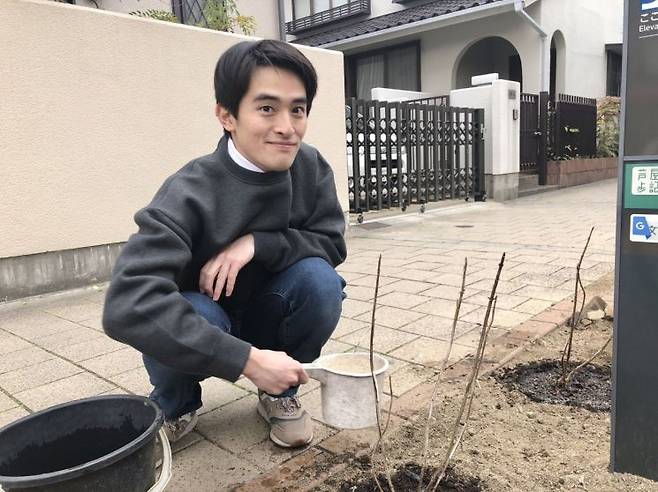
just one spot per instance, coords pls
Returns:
(406, 478)
(590, 387)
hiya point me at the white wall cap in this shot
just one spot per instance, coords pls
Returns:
(484, 79)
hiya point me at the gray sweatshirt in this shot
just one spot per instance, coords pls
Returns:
(198, 212)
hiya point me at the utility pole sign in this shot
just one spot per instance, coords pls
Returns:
(634, 447)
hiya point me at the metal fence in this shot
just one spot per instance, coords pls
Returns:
(573, 127)
(530, 135)
(560, 129)
(399, 153)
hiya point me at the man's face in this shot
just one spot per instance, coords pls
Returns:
(271, 119)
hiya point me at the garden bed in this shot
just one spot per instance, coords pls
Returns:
(513, 442)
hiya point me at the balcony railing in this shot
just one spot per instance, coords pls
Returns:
(354, 7)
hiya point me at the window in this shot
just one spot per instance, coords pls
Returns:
(397, 67)
(614, 74)
(305, 8)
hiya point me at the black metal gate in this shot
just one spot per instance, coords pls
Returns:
(534, 134)
(400, 153)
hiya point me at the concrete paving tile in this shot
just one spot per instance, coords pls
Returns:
(72, 310)
(6, 403)
(409, 377)
(32, 325)
(96, 293)
(268, 455)
(543, 293)
(359, 293)
(549, 281)
(472, 338)
(216, 392)
(437, 327)
(502, 317)
(81, 385)
(95, 323)
(419, 275)
(353, 308)
(429, 352)
(349, 277)
(189, 440)
(76, 335)
(37, 375)
(236, 426)
(9, 416)
(410, 286)
(335, 347)
(425, 265)
(385, 339)
(347, 326)
(135, 381)
(445, 308)
(533, 306)
(204, 467)
(401, 300)
(23, 358)
(391, 317)
(505, 301)
(540, 259)
(369, 281)
(11, 343)
(534, 268)
(91, 348)
(450, 292)
(504, 287)
(114, 363)
(246, 384)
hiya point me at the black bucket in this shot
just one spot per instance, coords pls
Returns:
(104, 443)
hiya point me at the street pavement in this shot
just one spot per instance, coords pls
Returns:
(53, 349)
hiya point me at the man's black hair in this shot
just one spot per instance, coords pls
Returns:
(236, 66)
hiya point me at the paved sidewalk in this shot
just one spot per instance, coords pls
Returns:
(52, 348)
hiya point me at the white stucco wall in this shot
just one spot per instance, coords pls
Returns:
(441, 50)
(99, 108)
(501, 148)
(587, 25)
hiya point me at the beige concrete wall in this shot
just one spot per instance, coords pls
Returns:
(98, 108)
(266, 14)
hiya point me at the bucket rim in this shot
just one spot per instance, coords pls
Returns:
(93, 465)
(381, 370)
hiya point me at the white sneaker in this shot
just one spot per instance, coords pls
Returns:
(181, 426)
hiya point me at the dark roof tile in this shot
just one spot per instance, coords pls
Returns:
(374, 24)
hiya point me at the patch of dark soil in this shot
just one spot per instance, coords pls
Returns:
(590, 388)
(406, 478)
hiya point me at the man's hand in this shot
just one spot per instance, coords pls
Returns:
(273, 372)
(224, 267)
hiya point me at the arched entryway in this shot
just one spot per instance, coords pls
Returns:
(557, 64)
(488, 55)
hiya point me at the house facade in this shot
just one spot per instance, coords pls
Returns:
(560, 46)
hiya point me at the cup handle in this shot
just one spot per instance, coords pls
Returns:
(316, 372)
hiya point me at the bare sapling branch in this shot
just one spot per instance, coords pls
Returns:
(599, 352)
(469, 393)
(444, 364)
(378, 446)
(575, 319)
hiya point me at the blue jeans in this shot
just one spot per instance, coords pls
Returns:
(295, 311)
